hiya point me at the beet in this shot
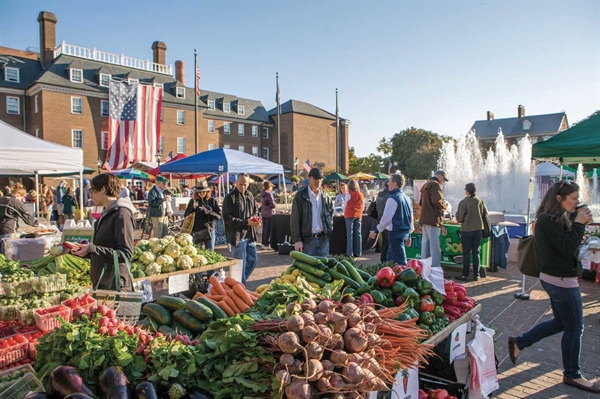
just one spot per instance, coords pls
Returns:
(355, 340)
(283, 377)
(287, 360)
(323, 385)
(288, 342)
(314, 350)
(308, 304)
(325, 335)
(39, 395)
(308, 317)
(299, 389)
(326, 306)
(314, 370)
(295, 324)
(78, 396)
(339, 358)
(309, 334)
(66, 380)
(353, 373)
(145, 390)
(320, 318)
(348, 309)
(292, 308)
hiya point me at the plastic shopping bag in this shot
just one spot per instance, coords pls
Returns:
(435, 275)
(484, 380)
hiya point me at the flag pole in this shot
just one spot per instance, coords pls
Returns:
(278, 98)
(196, 95)
(337, 133)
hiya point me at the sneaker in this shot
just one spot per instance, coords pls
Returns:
(513, 349)
(582, 383)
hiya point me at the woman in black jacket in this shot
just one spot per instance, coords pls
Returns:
(557, 239)
(206, 212)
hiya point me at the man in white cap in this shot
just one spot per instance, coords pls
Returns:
(433, 206)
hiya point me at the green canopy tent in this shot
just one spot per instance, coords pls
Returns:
(336, 176)
(381, 176)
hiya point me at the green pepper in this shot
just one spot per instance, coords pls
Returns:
(412, 313)
(398, 288)
(424, 287)
(440, 321)
(438, 298)
(363, 289)
(446, 320)
(425, 328)
(403, 317)
(389, 302)
(386, 291)
(372, 281)
(438, 311)
(409, 277)
(411, 296)
(426, 318)
(349, 291)
(378, 297)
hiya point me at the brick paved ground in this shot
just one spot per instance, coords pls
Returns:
(538, 373)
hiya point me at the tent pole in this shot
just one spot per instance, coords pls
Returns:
(523, 295)
(285, 193)
(37, 190)
(81, 204)
(561, 171)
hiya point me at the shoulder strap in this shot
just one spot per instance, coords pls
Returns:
(117, 269)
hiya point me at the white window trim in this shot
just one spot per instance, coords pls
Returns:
(211, 147)
(7, 69)
(71, 70)
(37, 133)
(18, 105)
(263, 154)
(228, 130)
(180, 90)
(211, 122)
(184, 145)
(183, 113)
(211, 104)
(255, 153)
(228, 107)
(241, 129)
(102, 146)
(182, 182)
(161, 143)
(241, 110)
(100, 79)
(227, 146)
(73, 140)
(36, 104)
(107, 108)
(242, 148)
(72, 108)
(254, 131)
(265, 137)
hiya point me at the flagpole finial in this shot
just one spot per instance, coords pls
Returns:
(277, 74)
(195, 53)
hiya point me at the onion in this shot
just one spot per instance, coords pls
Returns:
(295, 323)
(355, 340)
(314, 351)
(308, 304)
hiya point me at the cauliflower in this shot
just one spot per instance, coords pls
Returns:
(167, 264)
(185, 262)
(169, 239)
(156, 246)
(137, 266)
(153, 269)
(200, 260)
(137, 251)
(191, 251)
(173, 250)
(138, 273)
(185, 240)
(146, 258)
(143, 245)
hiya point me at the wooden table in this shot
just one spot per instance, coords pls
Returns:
(165, 276)
(445, 333)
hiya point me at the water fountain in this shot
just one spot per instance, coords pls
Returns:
(588, 191)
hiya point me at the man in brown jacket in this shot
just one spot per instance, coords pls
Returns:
(433, 206)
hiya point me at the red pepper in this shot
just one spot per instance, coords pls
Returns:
(426, 304)
(398, 269)
(463, 306)
(448, 285)
(461, 296)
(452, 311)
(422, 394)
(386, 277)
(399, 300)
(366, 299)
(451, 297)
(438, 394)
(416, 265)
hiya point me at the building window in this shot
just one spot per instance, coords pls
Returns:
(241, 129)
(76, 75)
(103, 107)
(526, 124)
(241, 109)
(241, 148)
(132, 81)
(13, 106)
(162, 114)
(161, 144)
(104, 141)
(76, 105)
(181, 145)
(37, 133)
(77, 138)
(265, 133)
(226, 107)
(181, 182)
(211, 104)
(255, 151)
(226, 146)
(36, 103)
(11, 74)
(254, 131)
(211, 147)
(266, 153)
(226, 128)
(180, 92)
(180, 117)
(211, 126)
(104, 79)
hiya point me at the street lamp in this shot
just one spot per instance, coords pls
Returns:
(159, 155)
(296, 165)
(99, 163)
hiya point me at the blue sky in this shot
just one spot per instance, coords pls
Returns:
(437, 65)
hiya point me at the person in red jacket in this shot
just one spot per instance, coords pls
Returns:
(353, 207)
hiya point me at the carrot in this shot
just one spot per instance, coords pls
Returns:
(226, 288)
(230, 281)
(253, 295)
(214, 297)
(215, 283)
(198, 295)
(243, 294)
(213, 291)
(232, 304)
(228, 311)
(239, 302)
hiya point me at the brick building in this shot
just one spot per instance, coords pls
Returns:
(61, 95)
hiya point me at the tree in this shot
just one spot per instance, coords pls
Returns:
(369, 164)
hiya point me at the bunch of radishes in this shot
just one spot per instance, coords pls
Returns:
(109, 324)
(327, 348)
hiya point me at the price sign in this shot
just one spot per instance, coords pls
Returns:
(458, 341)
(407, 384)
(531, 190)
(146, 287)
(179, 283)
(532, 170)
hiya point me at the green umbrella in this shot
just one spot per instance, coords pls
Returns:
(381, 176)
(336, 176)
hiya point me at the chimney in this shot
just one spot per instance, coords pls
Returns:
(158, 51)
(47, 22)
(490, 116)
(180, 71)
(521, 111)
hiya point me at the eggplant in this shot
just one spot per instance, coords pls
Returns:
(145, 390)
(39, 395)
(78, 396)
(66, 380)
(113, 383)
(197, 393)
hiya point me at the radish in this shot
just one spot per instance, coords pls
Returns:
(295, 324)
(111, 314)
(103, 309)
(308, 304)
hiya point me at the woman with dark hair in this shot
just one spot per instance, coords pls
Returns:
(206, 212)
(266, 212)
(471, 214)
(558, 234)
(353, 208)
(69, 203)
(112, 232)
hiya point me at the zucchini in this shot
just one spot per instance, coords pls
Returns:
(217, 312)
(354, 274)
(148, 323)
(166, 330)
(289, 270)
(181, 329)
(308, 268)
(322, 259)
(188, 321)
(347, 280)
(304, 258)
(331, 262)
(199, 311)
(342, 269)
(366, 276)
(171, 303)
(161, 314)
(311, 278)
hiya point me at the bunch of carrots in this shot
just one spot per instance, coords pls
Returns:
(231, 295)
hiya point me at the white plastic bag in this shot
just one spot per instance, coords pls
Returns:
(484, 380)
(435, 275)
(590, 252)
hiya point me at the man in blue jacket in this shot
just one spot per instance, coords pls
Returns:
(157, 208)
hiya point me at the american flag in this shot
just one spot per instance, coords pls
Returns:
(197, 81)
(306, 166)
(169, 157)
(106, 166)
(134, 123)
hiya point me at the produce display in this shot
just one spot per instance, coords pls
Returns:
(456, 302)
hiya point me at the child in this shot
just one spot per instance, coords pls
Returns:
(69, 203)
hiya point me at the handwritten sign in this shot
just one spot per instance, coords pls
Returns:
(179, 283)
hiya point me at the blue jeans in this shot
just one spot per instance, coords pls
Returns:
(567, 309)
(316, 247)
(396, 250)
(246, 251)
(353, 237)
(471, 241)
(430, 244)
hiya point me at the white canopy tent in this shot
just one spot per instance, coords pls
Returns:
(549, 169)
(22, 154)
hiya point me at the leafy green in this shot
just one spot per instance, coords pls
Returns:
(273, 302)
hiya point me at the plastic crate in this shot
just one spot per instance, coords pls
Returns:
(19, 288)
(8, 313)
(28, 383)
(7, 332)
(22, 370)
(14, 353)
(52, 283)
(86, 307)
(49, 321)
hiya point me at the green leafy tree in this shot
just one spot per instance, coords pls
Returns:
(369, 164)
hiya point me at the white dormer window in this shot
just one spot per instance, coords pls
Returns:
(11, 74)
(104, 79)
(132, 81)
(241, 109)
(226, 107)
(211, 104)
(76, 75)
(180, 92)
(526, 124)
